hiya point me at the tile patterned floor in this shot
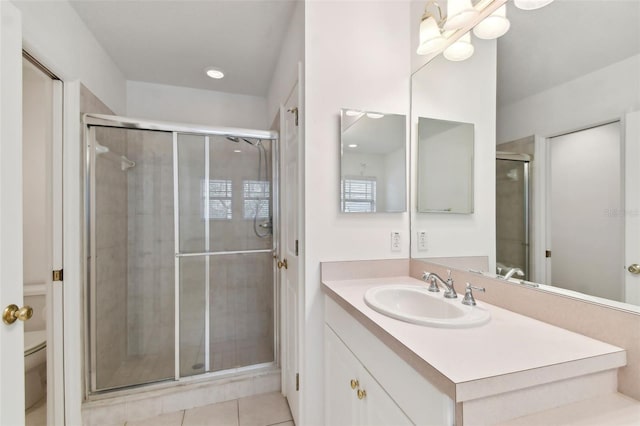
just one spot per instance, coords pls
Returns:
(260, 410)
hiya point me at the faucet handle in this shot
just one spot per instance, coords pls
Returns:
(468, 298)
(448, 274)
(433, 285)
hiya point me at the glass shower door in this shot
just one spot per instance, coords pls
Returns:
(512, 216)
(224, 253)
(132, 274)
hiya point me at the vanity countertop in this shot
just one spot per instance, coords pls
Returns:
(510, 352)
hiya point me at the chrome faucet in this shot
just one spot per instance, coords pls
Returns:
(468, 298)
(433, 278)
(513, 271)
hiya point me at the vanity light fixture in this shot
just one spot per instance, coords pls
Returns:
(460, 50)
(459, 14)
(531, 4)
(434, 33)
(494, 25)
(215, 73)
(353, 145)
(237, 150)
(374, 115)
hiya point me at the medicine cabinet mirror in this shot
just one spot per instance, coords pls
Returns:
(445, 166)
(373, 177)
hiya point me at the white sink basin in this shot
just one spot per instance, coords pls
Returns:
(415, 304)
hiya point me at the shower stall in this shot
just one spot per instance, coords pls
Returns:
(512, 213)
(181, 278)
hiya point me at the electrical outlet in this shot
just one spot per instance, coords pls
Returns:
(395, 241)
(422, 240)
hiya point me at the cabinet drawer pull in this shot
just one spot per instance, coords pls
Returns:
(362, 394)
(354, 383)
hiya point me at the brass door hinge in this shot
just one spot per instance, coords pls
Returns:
(296, 247)
(297, 381)
(294, 111)
(547, 253)
(57, 275)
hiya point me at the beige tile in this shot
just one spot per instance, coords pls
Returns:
(221, 414)
(168, 419)
(263, 410)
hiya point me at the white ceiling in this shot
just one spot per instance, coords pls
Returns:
(562, 41)
(375, 135)
(172, 42)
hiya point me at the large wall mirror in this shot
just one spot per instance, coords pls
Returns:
(373, 162)
(445, 149)
(567, 181)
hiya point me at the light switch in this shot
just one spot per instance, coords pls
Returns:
(396, 241)
(422, 240)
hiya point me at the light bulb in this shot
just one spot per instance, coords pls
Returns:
(460, 50)
(494, 25)
(459, 14)
(531, 4)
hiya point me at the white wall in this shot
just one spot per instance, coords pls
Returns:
(196, 106)
(600, 96)
(460, 91)
(286, 70)
(56, 36)
(356, 56)
(396, 200)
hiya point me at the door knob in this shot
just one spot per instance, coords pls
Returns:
(282, 264)
(634, 269)
(13, 312)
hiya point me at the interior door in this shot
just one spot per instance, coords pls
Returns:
(632, 207)
(587, 212)
(11, 293)
(289, 248)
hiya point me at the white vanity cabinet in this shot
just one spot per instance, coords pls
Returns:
(392, 392)
(352, 395)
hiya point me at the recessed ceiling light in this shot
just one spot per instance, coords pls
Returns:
(214, 73)
(374, 115)
(353, 113)
(353, 145)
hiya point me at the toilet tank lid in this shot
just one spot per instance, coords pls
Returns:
(33, 340)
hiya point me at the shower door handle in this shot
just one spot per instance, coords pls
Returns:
(282, 264)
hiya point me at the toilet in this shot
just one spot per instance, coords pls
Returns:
(35, 366)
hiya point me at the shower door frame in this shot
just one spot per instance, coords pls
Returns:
(90, 121)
